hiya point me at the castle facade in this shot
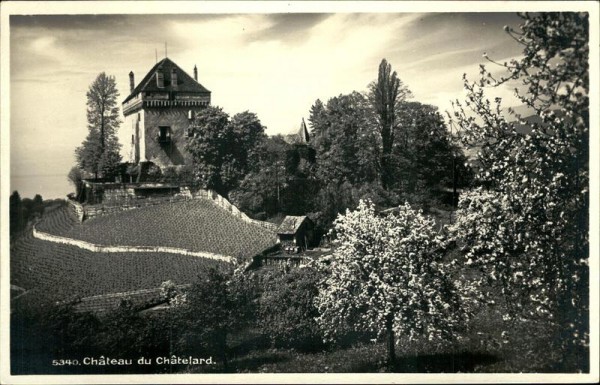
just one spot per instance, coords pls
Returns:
(158, 115)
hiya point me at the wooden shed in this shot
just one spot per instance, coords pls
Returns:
(296, 233)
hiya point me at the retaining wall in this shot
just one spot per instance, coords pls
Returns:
(91, 211)
(129, 249)
(78, 209)
(224, 203)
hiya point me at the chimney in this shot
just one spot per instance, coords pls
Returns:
(195, 73)
(160, 78)
(173, 78)
(131, 82)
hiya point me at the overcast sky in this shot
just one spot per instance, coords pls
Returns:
(275, 65)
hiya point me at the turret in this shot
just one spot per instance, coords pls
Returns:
(131, 82)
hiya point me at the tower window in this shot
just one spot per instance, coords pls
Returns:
(164, 135)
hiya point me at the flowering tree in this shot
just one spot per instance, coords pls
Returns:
(528, 228)
(387, 276)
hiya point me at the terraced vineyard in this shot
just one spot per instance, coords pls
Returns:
(197, 225)
(67, 271)
(58, 219)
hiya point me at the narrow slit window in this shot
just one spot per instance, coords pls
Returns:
(164, 135)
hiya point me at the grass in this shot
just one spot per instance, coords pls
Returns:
(197, 225)
(481, 350)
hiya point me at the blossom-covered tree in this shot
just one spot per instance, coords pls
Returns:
(528, 227)
(387, 276)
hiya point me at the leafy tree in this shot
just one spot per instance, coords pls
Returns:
(347, 150)
(259, 193)
(99, 152)
(281, 179)
(287, 312)
(424, 157)
(387, 276)
(248, 132)
(209, 147)
(21, 211)
(216, 305)
(37, 207)
(75, 177)
(221, 149)
(385, 95)
(16, 213)
(124, 332)
(344, 140)
(531, 236)
(317, 119)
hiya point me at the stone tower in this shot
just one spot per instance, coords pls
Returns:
(158, 114)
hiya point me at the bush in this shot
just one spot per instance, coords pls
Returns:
(217, 305)
(287, 312)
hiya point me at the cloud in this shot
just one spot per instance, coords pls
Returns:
(276, 65)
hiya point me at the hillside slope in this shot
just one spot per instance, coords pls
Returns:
(196, 225)
(63, 271)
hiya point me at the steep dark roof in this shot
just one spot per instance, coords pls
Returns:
(304, 137)
(185, 83)
(300, 137)
(291, 224)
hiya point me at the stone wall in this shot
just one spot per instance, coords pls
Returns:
(117, 194)
(224, 203)
(92, 211)
(173, 153)
(122, 199)
(128, 249)
(78, 209)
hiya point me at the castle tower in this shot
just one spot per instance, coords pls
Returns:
(158, 114)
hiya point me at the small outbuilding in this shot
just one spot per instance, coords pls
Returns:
(296, 233)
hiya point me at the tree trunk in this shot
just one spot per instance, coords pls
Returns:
(391, 342)
(386, 153)
(222, 341)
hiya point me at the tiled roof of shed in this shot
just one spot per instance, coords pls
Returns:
(107, 302)
(185, 83)
(291, 224)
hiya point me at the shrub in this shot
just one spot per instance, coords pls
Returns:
(216, 305)
(287, 310)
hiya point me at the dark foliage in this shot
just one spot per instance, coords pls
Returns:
(98, 155)
(223, 149)
(287, 313)
(217, 305)
(21, 211)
